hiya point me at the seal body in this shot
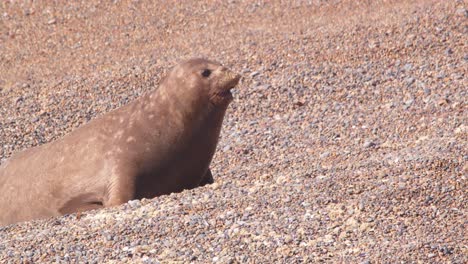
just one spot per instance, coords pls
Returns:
(161, 143)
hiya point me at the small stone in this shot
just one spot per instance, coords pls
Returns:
(369, 144)
(216, 185)
(408, 67)
(134, 203)
(281, 180)
(19, 99)
(409, 102)
(440, 75)
(255, 73)
(461, 129)
(446, 250)
(361, 206)
(262, 87)
(442, 101)
(227, 148)
(462, 12)
(409, 80)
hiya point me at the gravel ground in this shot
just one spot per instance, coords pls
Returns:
(346, 142)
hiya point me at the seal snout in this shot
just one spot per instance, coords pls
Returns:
(223, 81)
(231, 80)
(234, 80)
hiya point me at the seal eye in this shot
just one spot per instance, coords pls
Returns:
(206, 73)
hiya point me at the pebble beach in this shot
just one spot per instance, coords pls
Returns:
(346, 141)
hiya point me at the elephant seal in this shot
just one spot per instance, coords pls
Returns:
(160, 143)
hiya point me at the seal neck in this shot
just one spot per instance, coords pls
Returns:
(182, 112)
(190, 97)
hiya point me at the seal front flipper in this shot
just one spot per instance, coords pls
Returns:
(121, 187)
(81, 203)
(207, 179)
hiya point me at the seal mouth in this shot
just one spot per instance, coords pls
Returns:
(225, 94)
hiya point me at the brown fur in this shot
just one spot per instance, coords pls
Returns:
(161, 143)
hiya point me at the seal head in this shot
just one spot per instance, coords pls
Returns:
(202, 79)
